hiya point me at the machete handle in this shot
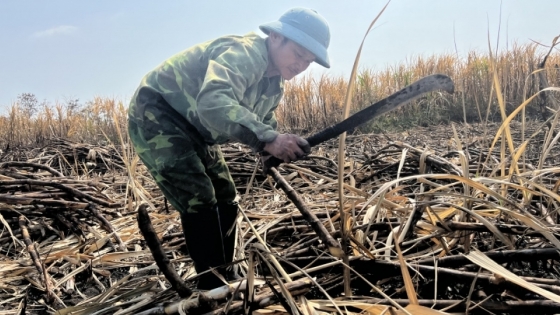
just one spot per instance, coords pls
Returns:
(269, 161)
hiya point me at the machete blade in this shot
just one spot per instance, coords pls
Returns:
(427, 84)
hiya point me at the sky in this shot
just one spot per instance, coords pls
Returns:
(64, 50)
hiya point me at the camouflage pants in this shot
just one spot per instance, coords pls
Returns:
(192, 175)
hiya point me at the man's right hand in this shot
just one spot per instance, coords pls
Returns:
(288, 147)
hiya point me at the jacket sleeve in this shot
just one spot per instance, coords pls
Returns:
(270, 120)
(228, 75)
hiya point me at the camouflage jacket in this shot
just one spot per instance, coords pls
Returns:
(220, 88)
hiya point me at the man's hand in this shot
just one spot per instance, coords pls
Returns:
(288, 147)
(268, 161)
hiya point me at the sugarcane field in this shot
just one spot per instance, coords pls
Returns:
(428, 187)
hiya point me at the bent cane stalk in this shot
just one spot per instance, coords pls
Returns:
(145, 225)
(334, 247)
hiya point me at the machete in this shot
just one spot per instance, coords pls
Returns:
(427, 84)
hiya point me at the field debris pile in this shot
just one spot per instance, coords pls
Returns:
(434, 219)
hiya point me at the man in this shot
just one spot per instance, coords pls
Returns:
(222, 90)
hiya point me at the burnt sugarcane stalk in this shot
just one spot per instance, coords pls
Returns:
(37, 260)
(334, 247)
(145, 225)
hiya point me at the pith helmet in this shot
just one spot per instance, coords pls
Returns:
(305, 27)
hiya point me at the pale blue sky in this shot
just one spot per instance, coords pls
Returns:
(67, 49)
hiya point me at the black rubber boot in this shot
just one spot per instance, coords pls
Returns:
(203, 236)
(228, 217)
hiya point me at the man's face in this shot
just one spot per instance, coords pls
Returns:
(288, 58)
